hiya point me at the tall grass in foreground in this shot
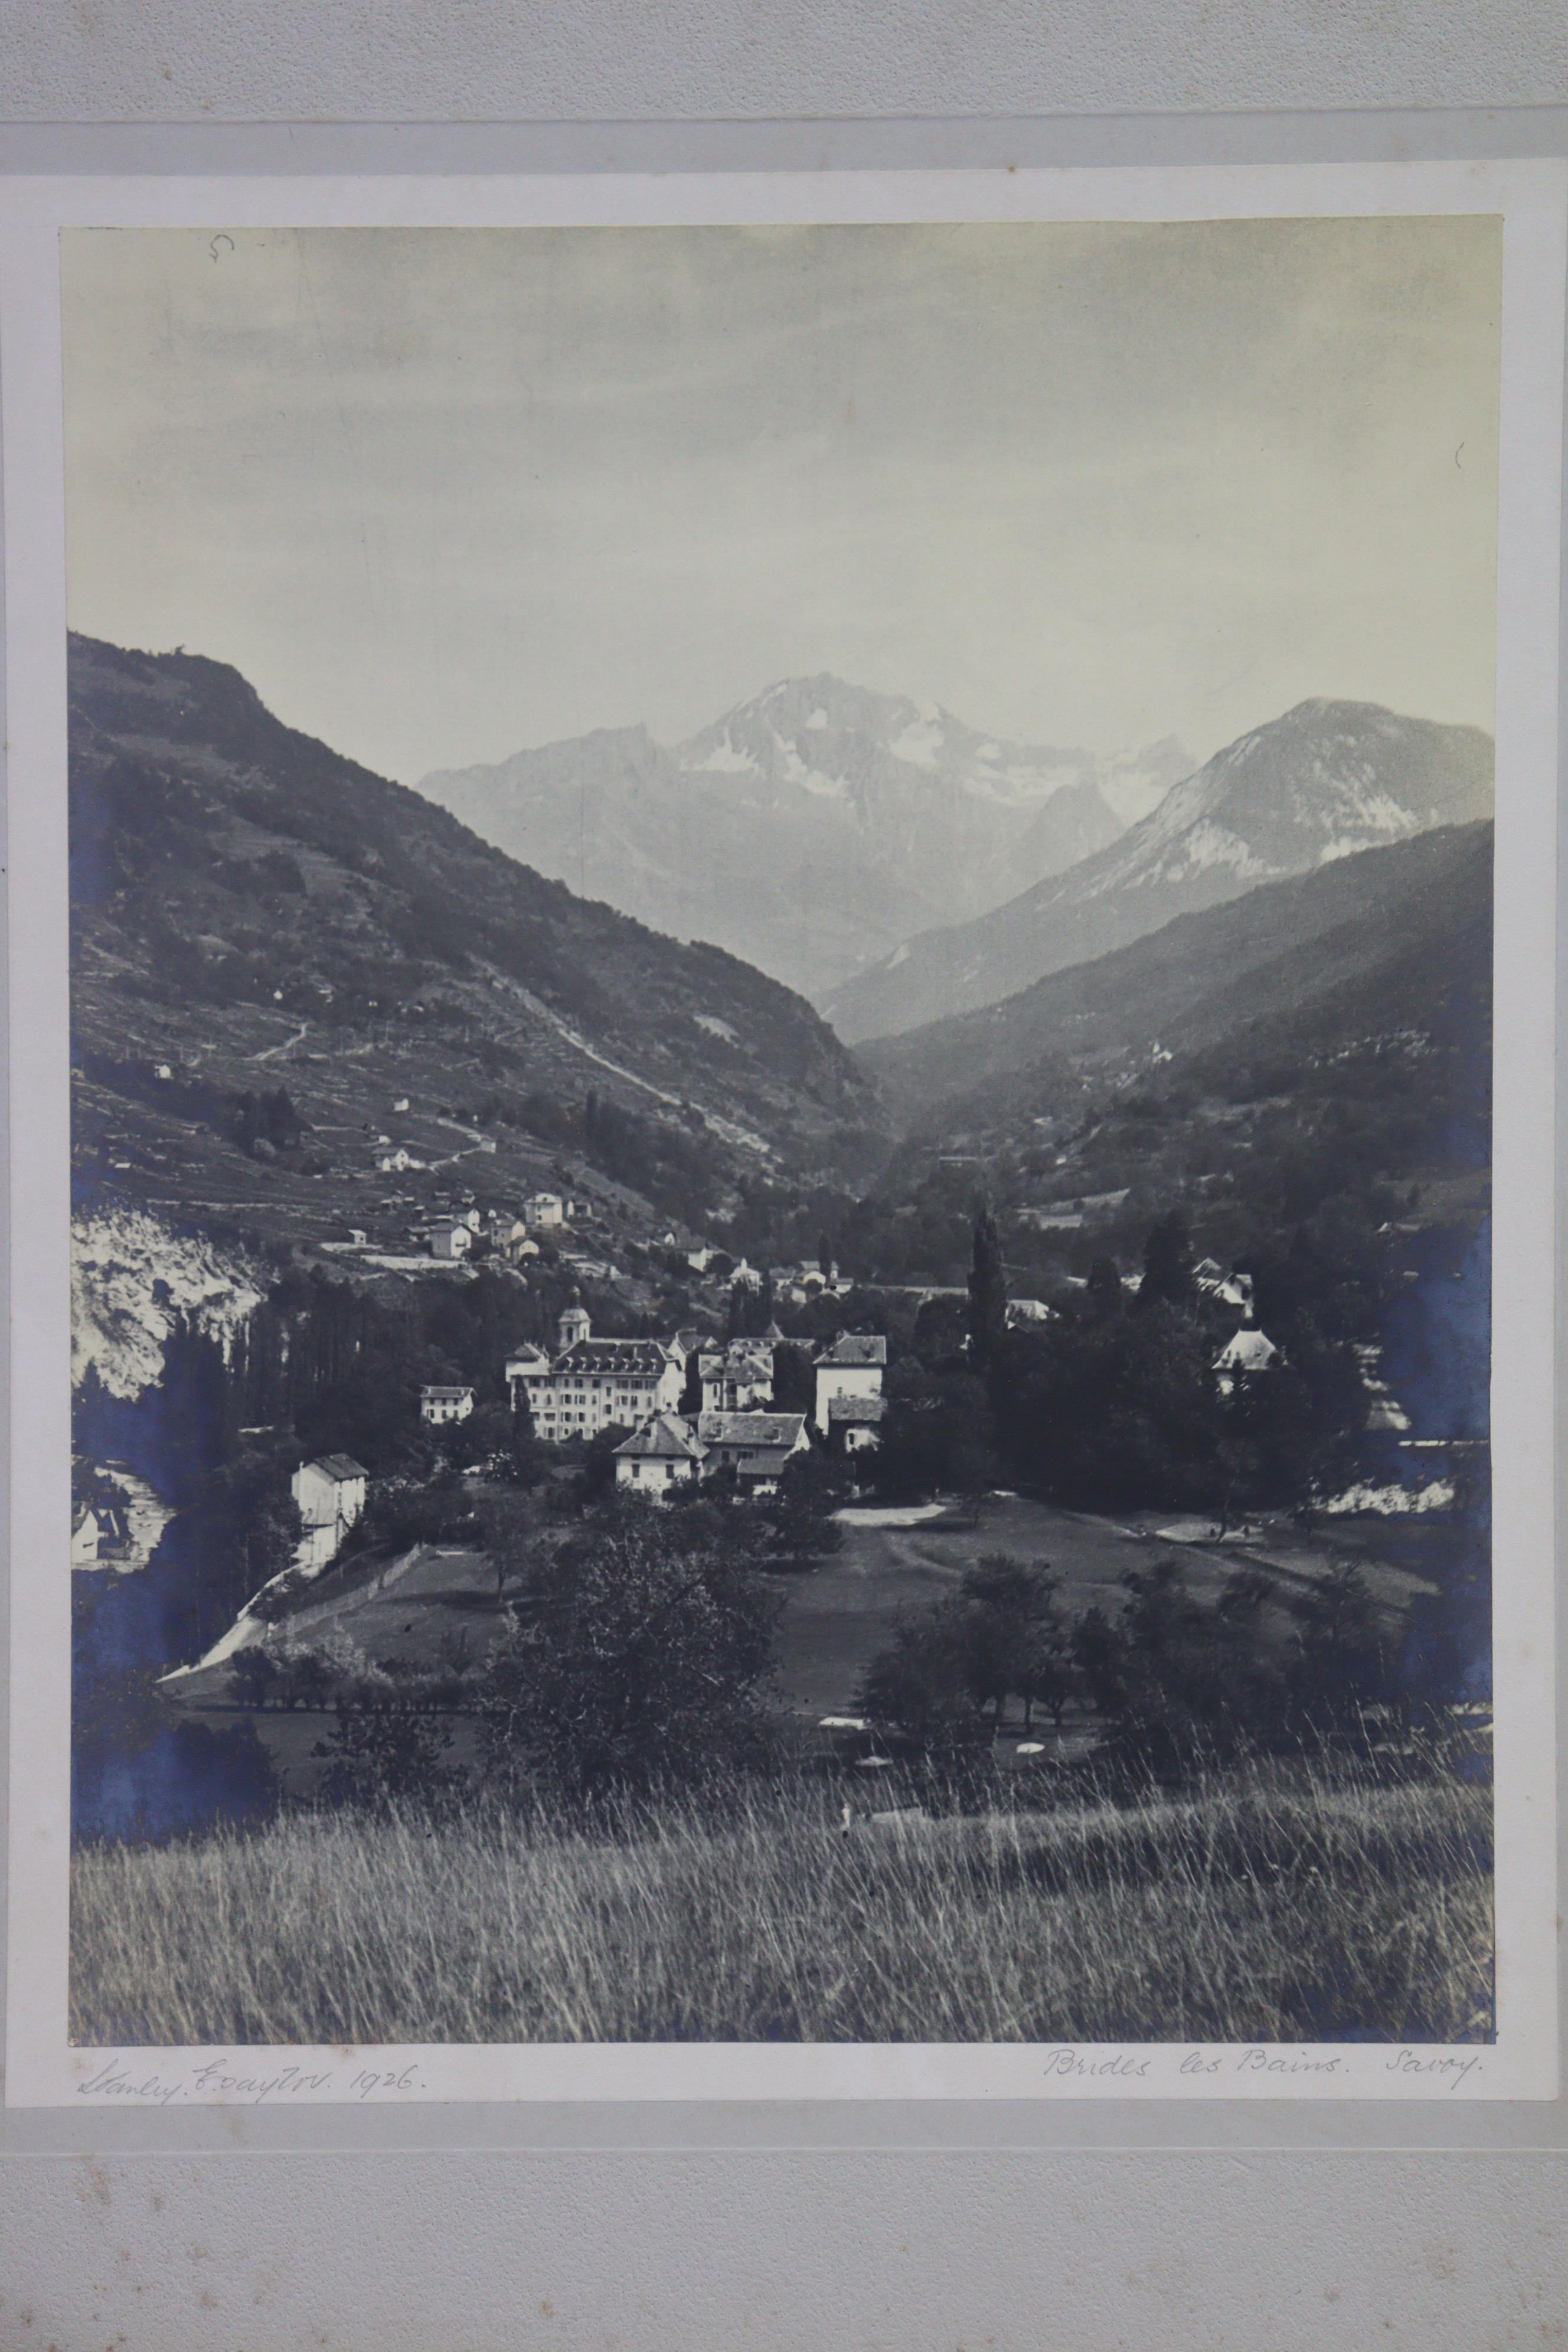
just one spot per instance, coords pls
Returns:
(1315, 1905)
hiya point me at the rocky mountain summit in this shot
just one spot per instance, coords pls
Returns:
(1323, 782)
(810, 829)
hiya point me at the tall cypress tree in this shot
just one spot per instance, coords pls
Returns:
(1167, 1263)
(987, 1289)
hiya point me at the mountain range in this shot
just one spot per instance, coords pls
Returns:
(1370, 946)
(251, 911)
(811, 829)
(1326, 779)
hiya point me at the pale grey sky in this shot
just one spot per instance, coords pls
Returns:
(441, 493)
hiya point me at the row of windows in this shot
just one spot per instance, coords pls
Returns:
(591, 1387)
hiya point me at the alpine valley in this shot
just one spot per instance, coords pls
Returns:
(812, 829)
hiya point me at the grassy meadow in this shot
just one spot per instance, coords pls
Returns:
(1307, 1903)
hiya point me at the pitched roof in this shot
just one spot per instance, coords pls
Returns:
(664, 1438)
(857, 1348)
(438, 1389)
(751, 1429)
(338, 1466)
(644, 1357)
(860, 1411)
(746, 1355)
(1247, 1351)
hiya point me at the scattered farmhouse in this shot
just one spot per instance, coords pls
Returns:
(450, 1237)
(1229, 1289)
(736, 1377)
(330, 1492)
(594, 1384)
(660, 1454)
(545, 1209)
(100, 1534)
(439, 1405)
(755, 1445)
(507, 1235)
(852, 1367)
(1245, 1353)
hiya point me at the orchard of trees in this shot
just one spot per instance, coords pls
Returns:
(1169, 1681)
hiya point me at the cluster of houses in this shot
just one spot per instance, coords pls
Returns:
(644, 1386)
(693, 1406)
(507, 1235)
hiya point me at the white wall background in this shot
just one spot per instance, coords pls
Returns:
(483, 60)
(437, 2252)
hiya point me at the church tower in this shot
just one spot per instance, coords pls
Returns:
(574, 1323)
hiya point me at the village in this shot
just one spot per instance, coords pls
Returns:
(693, 1406)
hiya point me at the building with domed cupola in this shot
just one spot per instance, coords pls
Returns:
(593, 1384)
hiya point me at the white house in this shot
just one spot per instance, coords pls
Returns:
(594, 1384)
(660, 1454)
(852, 1367)
(737, 1377)
(101, 1536)
(545, 1209)
(1230, 1289)
(440, 1405)
(396, 1163)
(450, 1237)
(1245, 1354)
(330, 1492)
(755, 1445)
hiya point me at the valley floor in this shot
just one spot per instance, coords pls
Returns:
(836, 1616)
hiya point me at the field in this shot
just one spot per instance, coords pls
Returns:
(835, 1618)
(1313, 1905)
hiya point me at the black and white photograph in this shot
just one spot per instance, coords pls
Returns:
(781, 1006)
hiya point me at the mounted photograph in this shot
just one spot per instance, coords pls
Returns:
(781, 1004)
